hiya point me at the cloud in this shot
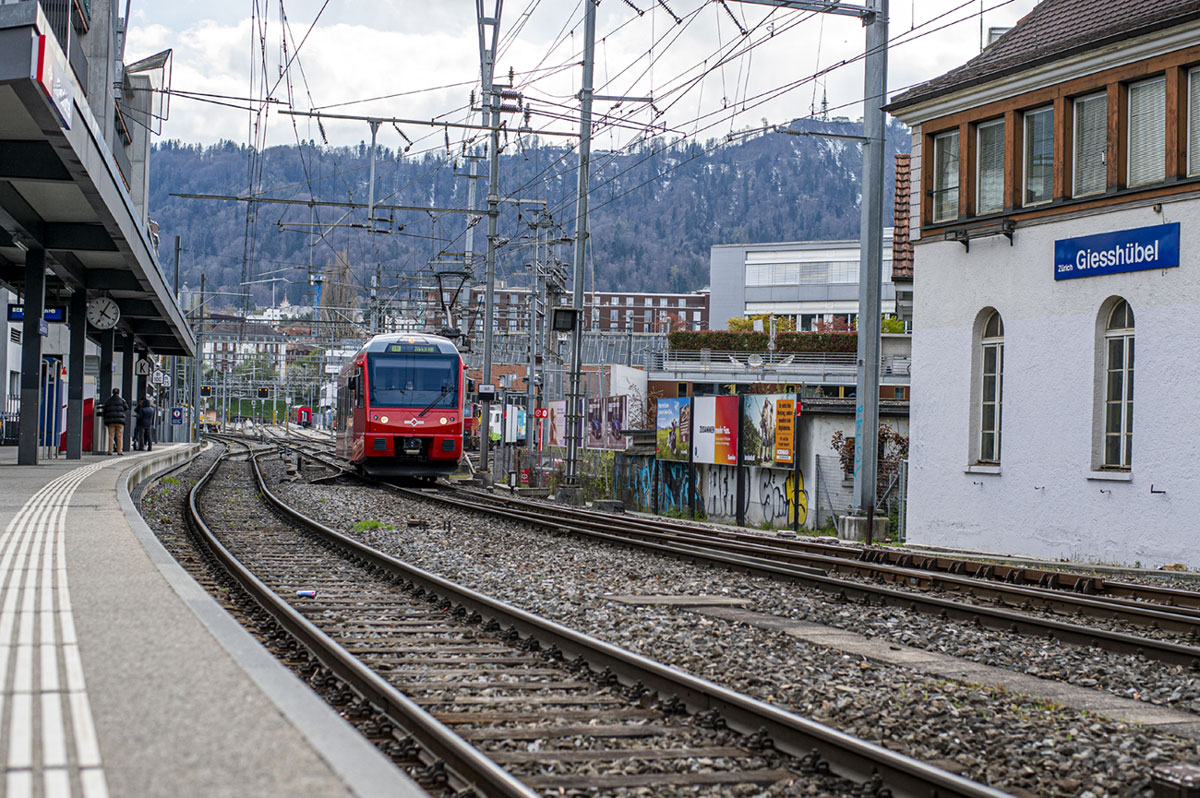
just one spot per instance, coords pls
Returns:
(361, 50)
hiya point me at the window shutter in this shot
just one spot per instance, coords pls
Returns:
(1091, 141)
(1194, 123)
(1147, 132)
(991, 168)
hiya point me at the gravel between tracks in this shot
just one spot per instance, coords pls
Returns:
(1010, 741)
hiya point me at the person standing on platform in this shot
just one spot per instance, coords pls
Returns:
(145, 423)
(115, 412)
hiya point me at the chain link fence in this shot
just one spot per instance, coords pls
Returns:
(833, 494)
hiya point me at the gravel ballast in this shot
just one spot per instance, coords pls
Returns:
(1010, 741)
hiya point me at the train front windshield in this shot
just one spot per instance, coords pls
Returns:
(414, 380)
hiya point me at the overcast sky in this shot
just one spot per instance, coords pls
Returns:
(359, 50)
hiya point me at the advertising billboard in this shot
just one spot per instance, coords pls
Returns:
(614, 422)
(715, 438)
(672, 425)
(557, 426)
(594, 424)
(768, 430)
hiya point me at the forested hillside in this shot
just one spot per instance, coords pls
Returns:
(656, 208)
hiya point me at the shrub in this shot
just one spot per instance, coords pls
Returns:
(787, 343)
(893, 447)
(367, 526)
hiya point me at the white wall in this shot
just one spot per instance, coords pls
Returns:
(1046, 500)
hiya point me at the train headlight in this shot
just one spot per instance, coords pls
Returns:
(384, 419)
(442, 420)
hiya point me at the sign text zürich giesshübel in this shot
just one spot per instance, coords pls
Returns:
(1134, 250)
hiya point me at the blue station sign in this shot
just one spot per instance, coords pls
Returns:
(1134, 250)
(57, 313)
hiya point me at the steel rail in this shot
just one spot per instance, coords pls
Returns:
(1177, 619)
(922, 569)
(1078, 582)
(847, 756)
(1088, 584)
(996, 618)
(742, 556)
(471, 766)
(1099, 593)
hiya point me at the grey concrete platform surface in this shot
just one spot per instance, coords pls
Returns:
(120, 676)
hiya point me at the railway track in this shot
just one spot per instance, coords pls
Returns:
(1063, 580)
(511, 703)
(855, 556)
(919, 589)
(1131, 603)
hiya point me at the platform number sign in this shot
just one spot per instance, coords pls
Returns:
(176, 415)
(264, 393)
(144, 367)
(206, 390)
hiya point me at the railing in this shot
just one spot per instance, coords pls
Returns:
(10, 420)
(83, 15)
(894, 369)
(68, 19)
(58, 14)
(123, 164)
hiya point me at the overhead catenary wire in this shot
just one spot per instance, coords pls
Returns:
(701, 123)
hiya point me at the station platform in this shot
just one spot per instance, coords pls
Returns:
(120, 676)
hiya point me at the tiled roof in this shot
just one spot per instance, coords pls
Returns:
(902, 248)
(1053, 30)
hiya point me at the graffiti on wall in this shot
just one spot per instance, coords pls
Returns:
(719, 489)
(768, 498)
(676, 494)
(636, 481)
(633, 482)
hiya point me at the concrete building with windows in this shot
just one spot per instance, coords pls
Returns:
(603, 311)
(806, 281)
(1056, 222)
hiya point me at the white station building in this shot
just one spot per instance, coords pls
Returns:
(1056, 223)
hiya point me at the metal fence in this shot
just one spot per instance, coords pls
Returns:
(10, 419)
(599, 348)
(812, 366)
(833, 494)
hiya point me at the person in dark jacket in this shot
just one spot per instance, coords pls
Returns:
(115, 413)
(145, 422)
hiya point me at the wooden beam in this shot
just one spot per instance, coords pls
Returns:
(1063, 148)
(966, 170)
(1177, 123)
(1012, 160)
(1118, 134)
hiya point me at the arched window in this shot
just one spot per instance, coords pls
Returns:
(991, 389)
(1118, 386)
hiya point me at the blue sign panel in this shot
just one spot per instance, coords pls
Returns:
(16, 312)
(1154, 247)
(176, 415)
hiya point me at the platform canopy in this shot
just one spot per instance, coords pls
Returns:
(63, 191)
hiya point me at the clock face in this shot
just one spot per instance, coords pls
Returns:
(103, 313)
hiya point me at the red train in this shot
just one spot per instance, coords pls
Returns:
(304, 416)
(400, 406)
